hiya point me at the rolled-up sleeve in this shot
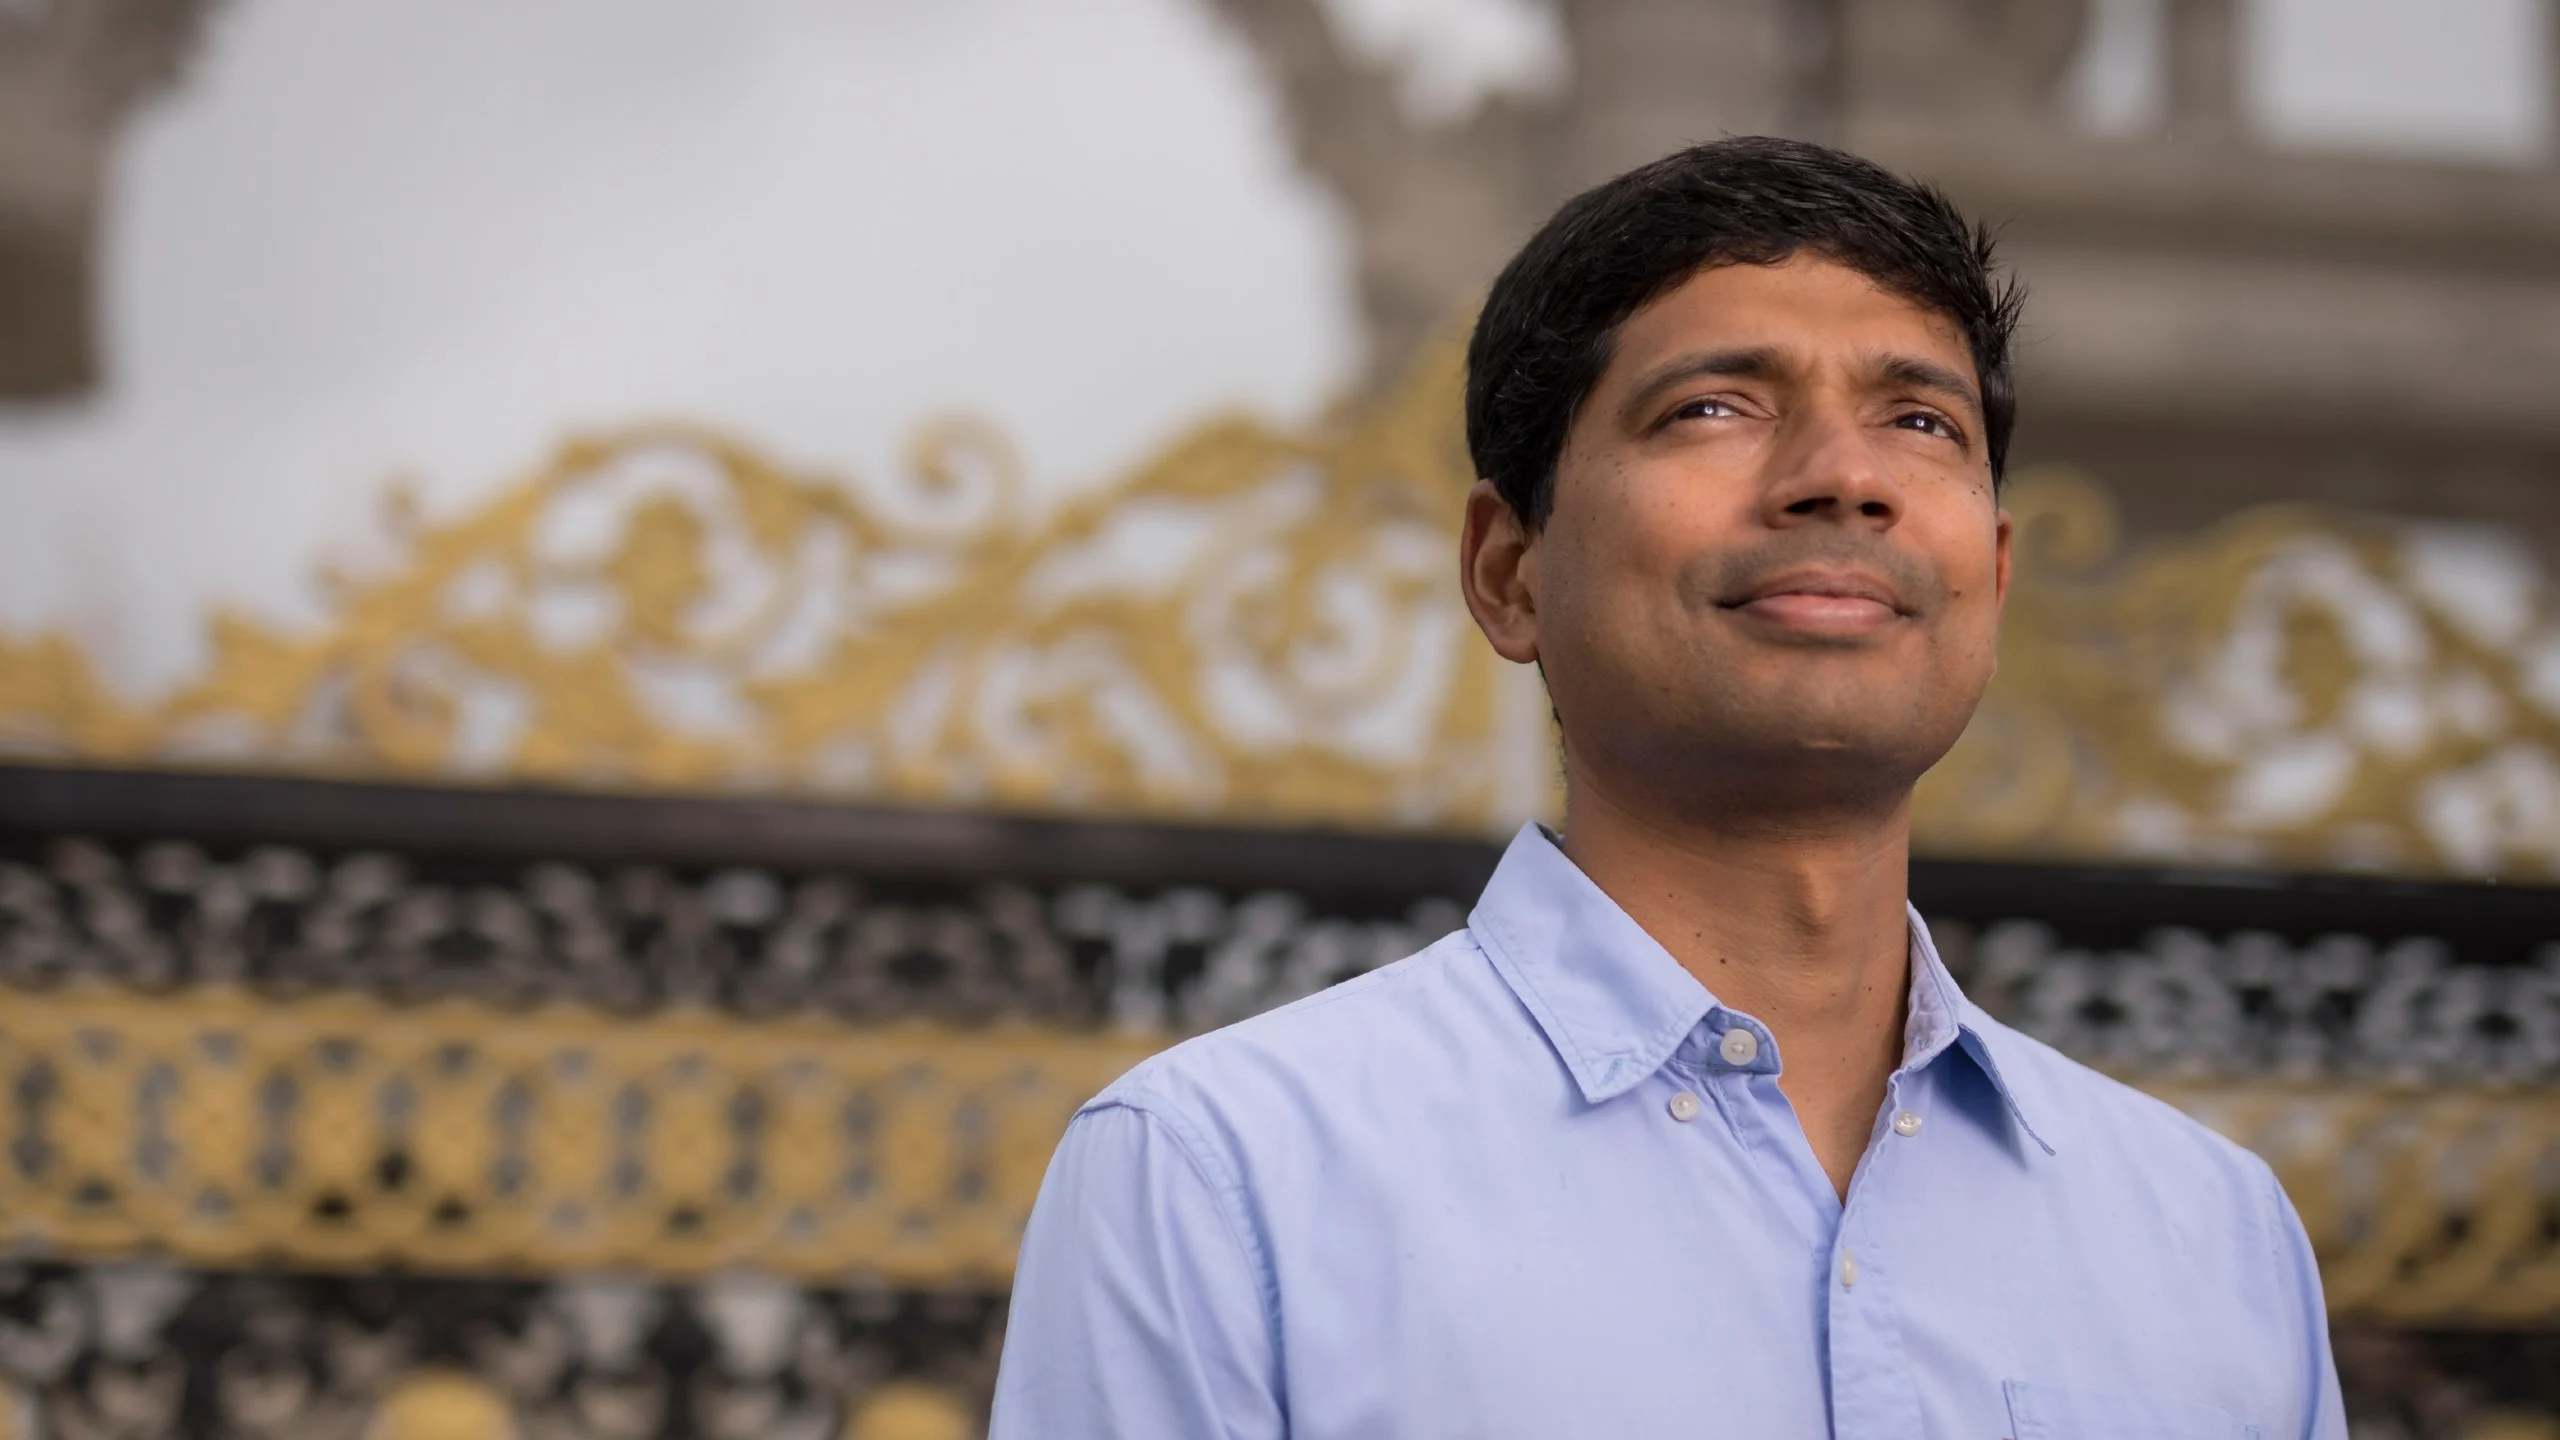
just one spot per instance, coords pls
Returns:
(1139, 1306)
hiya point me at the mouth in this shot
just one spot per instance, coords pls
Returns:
(1823, 602)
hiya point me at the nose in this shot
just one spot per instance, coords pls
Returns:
(1828, 468)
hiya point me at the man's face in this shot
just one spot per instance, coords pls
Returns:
(1775, 564)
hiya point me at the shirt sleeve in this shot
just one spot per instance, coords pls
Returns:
(2298, 1272)
(1137, 1307)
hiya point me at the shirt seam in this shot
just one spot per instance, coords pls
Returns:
(1398, 972)
(2270, 1230)
(2285, 1295)
(1217, 1041)
(1228, 1190)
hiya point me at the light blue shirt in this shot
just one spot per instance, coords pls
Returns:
(1535, 1181)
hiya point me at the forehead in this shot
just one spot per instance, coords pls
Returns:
(1807, 304)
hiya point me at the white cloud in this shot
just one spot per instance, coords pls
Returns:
(372, 237)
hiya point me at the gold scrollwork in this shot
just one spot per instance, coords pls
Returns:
(1254, 624)
(2293, 687)
(1261, 625)
(338, 1132)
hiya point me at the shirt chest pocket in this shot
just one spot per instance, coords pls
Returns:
(2075, 1412)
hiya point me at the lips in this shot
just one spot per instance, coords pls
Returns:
(1823, 584)
(1821, 600)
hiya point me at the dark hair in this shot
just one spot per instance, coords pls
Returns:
(1547, 327)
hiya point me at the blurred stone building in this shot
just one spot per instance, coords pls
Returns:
(2217, 320)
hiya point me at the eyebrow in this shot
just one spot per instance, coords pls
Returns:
(1761, 362)
(1928, 375)
(1748, 363)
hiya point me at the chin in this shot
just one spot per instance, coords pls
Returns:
(1880, 744)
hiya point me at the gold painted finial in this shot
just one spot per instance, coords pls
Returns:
(905, 1410)
(442, 1405)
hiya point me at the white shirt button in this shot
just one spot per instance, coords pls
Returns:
(1907, 1123)
(1739, 1046)
(1848, 1271)
(1684, 1107)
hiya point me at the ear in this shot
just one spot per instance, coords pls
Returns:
(2005, 527)
(1498, 573)
(2002, 528)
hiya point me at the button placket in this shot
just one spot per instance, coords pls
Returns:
(1871, 1390)
(1871, 1387)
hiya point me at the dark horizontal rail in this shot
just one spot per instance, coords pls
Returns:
(2088, 904)
(488, 823)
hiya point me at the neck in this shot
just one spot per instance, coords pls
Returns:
(1793, 916)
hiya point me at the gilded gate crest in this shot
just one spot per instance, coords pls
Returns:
(1254, 624)
(1260, 625)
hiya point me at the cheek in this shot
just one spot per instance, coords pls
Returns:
(1967, 545)
(1622, 526)
(1687, 495)
(1664, 519)
(1972, 571)
(1602, 631)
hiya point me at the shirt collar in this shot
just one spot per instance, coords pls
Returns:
(1940, 1016)
(1615, 1005)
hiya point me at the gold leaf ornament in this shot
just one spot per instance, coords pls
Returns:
(1262, 625)
(457, 1138)
(1254, 624)
(2294, 687)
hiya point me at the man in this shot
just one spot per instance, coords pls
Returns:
(1689, 1132)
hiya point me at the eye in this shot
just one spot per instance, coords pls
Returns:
(1705, 407)
(1930, 422)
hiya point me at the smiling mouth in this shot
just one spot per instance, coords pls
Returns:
(1821, 605)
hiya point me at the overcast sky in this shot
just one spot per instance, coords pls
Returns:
(372, 238)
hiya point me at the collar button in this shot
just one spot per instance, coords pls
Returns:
(1739, 1046)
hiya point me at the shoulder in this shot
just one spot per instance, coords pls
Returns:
(2133, 1142)
(2175, 1208)
(1378, 1040)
